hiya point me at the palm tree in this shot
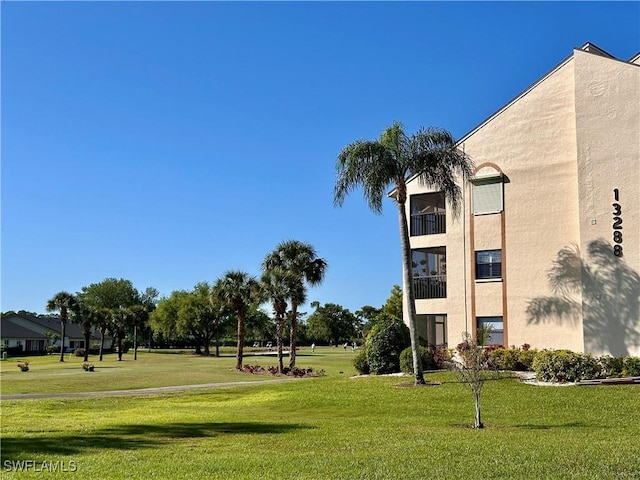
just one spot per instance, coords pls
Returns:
(301, 260)
(86, 317)
(63, 302)
(102, 322)
(239, 291)
(432, 157)
(121, 320)
(139, 316)
(280, 285)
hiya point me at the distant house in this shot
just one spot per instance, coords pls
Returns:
(18, 338)
(35, 334)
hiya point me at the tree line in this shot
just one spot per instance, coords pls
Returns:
(203, 313)
(431, 156)
(199, 318)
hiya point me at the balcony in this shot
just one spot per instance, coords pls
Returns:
(428, 223)
(433, 286)
(428, 214)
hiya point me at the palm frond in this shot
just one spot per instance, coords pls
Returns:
(437, 163)
(365, 164)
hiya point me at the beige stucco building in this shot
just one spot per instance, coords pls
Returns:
(547, 247)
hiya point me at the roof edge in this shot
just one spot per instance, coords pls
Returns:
(587, 47)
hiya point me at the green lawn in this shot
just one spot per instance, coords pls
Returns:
(331, 427)
(156, 369)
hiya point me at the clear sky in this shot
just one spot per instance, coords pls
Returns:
(168, 142)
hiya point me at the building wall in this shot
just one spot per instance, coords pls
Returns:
(563, 146)
(608, 133)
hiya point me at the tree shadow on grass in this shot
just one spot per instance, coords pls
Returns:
(527, 426)
(531, 426)
(129, 437)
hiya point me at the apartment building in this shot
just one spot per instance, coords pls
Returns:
(546, 249)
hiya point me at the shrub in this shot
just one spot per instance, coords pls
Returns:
(406, 359)
(79, 352)
(51, 349)
(525, 358)
(384, 344)
(360, 362)
(631, 367)
(441, 357)
(566, 366)
(512, 358)
(88, 367)
(23, 366)
(503, 358)
(624, 366)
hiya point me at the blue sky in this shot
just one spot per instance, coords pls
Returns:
(168, 142)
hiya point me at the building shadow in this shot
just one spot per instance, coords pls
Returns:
(600, 289)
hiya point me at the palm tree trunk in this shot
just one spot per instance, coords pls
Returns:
(293, 332)
(409, 296)
(63, 328)
(119, 346)
(279, 327)
(135, 342)
(87, 339)
(217, 339)
(240, 348)
(102, 330)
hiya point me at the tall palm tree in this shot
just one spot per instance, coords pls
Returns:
(239, 291)
(63, 302)
(432, 157)
(301, 260)
(280, 285)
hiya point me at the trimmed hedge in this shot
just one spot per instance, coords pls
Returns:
(406, 359)
(566, 366)
(519, 359)
(624, 366)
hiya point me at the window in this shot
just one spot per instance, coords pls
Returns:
(428, 214)
(489, 264)
(487, 195)
(429, 272)
(496, 325)
(432, 329)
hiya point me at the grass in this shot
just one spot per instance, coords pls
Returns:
(332, 427)
(156, 369)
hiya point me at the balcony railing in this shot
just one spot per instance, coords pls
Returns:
(428, 223)
(434, 286)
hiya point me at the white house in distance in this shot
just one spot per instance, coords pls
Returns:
(547, 247)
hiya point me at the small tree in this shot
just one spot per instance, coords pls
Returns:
(472, 366)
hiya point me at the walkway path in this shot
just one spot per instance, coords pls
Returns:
(140, 391)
